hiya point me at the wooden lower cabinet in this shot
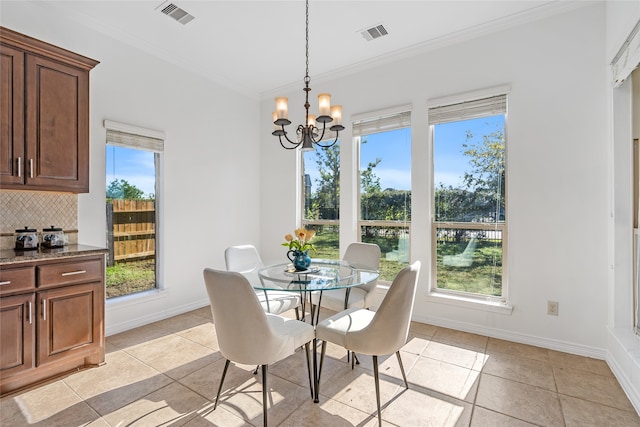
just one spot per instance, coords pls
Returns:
(48, 332)
(17, 329)
(69, 322)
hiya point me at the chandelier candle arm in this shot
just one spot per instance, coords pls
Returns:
(308, 135)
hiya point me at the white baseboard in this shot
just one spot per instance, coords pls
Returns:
(112, 329)
(552, 344)
(625, 363)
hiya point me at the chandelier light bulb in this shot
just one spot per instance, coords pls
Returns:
(336, 115)
(282, 108)
(324, 104)
(311, 120)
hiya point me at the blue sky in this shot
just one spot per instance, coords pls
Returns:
(394, 148)
(450, 163)
(135, 166)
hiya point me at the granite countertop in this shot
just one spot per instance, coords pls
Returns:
(12, 256)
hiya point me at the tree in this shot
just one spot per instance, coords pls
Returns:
(326, 199)
(485, 179)
(482, 196)
(369, 182)
(121, 189)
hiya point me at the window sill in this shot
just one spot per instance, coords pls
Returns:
(470, 302)
(135, 298)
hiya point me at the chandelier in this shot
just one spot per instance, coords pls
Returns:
(308, 134)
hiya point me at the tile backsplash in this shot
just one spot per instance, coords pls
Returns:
(37, 209)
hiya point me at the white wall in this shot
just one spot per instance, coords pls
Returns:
(211, 160)
(557, 181)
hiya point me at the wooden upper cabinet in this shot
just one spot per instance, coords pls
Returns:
(57, 125)
(11, 115)
(44, 141)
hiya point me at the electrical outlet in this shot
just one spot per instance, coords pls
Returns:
(552, 308)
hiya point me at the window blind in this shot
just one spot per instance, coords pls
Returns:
(382, 121)
(466, 110)
(628, 57)
(124, 135)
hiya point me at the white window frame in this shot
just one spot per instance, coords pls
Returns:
(388, 119)
(464, 299)
(130, 136)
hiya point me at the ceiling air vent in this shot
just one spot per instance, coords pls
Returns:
(180, 15)
(374, 32)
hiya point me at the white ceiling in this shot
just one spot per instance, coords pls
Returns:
(257, 47)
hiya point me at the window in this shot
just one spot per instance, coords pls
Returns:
(469, 216)
(384, 145)
(132, 157)
(321, 199)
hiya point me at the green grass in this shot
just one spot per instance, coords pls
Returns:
(483, 277)
(130, 277)
(327, 242)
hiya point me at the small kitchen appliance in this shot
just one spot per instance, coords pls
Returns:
(26, 239)
(52, 237)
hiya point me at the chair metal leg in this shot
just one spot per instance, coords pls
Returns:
(311, 385)
(375, 374)
(224, 373)
(264, 395)
(255, 371)
(318, 372)
(406, 384)
(355, 358)
(297, 313)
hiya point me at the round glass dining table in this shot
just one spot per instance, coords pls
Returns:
(323, 275)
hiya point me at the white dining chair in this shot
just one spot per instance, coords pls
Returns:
(364, 255)
(374, 333)
(246, 333)
(246, 260)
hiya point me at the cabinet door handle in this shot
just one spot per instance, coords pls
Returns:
(30, 313)
(30, 168)
(73, 273)
(19, 167)
(8, 282)
(44, 309)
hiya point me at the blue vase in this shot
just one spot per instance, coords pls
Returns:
(300, 259)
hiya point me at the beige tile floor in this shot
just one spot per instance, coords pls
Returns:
(167, 373)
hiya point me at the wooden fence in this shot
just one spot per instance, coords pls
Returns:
(131, 229)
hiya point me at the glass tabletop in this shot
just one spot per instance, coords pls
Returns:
(321, 275)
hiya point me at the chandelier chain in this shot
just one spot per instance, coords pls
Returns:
(308, 133)
(307, 45)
